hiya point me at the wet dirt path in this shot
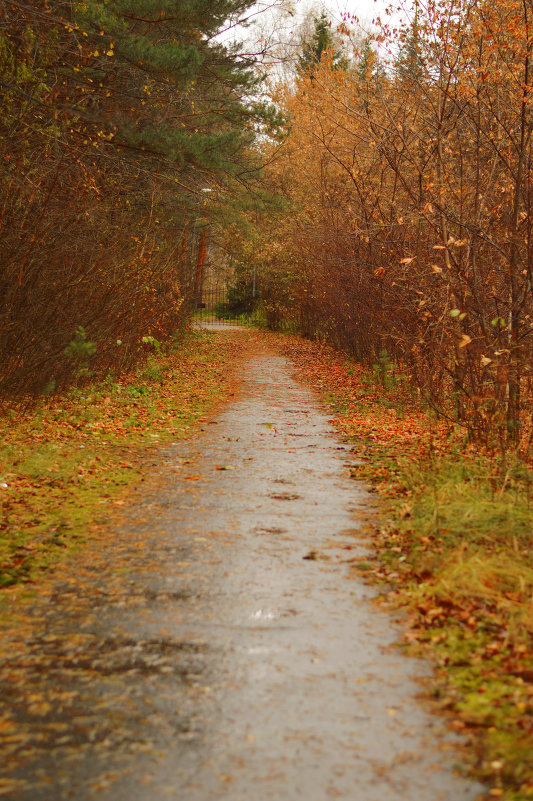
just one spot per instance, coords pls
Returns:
(243, 661)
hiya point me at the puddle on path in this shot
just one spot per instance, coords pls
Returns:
(242, 660)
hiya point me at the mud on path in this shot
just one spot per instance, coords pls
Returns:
(225, 648)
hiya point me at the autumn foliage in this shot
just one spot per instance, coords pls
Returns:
(409, 236)
(115, 118)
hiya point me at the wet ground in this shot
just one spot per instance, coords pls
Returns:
(239, 656)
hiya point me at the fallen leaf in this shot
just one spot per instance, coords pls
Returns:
(404, 511)
(10, 785)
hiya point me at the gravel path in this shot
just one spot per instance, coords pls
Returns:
(243, 659)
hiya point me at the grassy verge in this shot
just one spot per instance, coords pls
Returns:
(65, 465)
(455, 552)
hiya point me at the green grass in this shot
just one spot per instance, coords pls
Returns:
(65, 464)
(454, 548)
(458, 550)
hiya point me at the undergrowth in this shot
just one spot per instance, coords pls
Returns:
(458, 552)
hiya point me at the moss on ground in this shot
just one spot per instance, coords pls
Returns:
(65, 464)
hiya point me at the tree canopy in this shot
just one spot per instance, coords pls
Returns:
(115, 116)
(408, 235)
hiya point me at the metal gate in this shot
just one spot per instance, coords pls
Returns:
(215, 307)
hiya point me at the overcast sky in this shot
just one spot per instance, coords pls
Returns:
(279, 18)
(365, 10)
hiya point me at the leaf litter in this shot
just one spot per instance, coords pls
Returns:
(477, 656)
(451, 545)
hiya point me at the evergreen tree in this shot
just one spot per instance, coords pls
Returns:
(370, 70)
(320, 43)
(365, 64)
(116, 114)
(168, 88)
(410, 62)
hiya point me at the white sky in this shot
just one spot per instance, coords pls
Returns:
(364, 10)
(272, 24)
(363, 14)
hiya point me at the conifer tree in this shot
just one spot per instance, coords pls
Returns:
(169, 89)
(410, 60)
(116, 114)
(321, 42)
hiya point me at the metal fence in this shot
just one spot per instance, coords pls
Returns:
(215, 307)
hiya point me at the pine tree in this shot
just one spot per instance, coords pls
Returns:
(116, 114)
(370, 74)
(168, 88)
(320, 43)
(410, 62)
